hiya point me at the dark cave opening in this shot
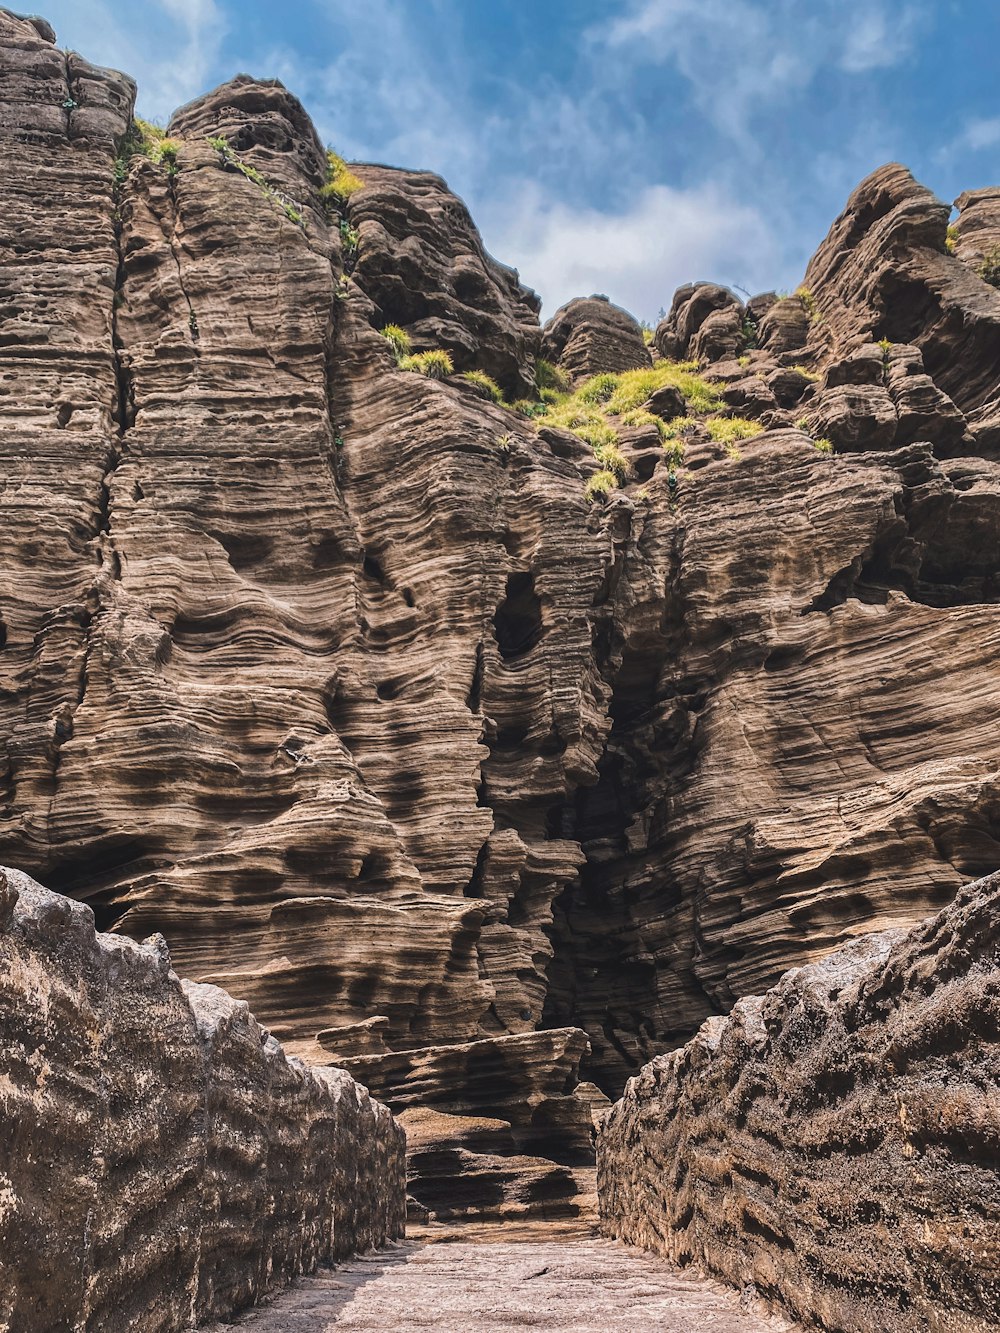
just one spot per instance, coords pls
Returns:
(518, 618)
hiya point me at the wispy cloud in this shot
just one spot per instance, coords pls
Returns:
(174, 53)
(639, 254)
(977, 134)
(741, 55)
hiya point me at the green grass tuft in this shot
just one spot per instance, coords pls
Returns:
(989, 269)
(435, 364)
(727, 430)
(679, 426)
(484, 381)
(398, 339)
(598, 389)
(809, 301)
(528, 407)
(600, 486)
(549, 376)
(614, 461)
(824, 445)
(341, 182)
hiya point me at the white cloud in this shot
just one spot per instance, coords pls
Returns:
(640, 255)
(173, 54)
(740, 55)
(977, 134)
(876, 38)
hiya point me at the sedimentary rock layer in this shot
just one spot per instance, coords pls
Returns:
(330, 673)
(835, 1142)
(162, 1161)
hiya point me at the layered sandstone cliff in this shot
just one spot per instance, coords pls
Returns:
(333, 674)
(162, 1161)
(834, 1143)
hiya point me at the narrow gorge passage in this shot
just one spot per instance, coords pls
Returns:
(589, 1286)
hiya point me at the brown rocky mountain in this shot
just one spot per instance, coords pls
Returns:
(470, 771)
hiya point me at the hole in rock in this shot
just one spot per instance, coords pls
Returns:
(372, 567)
(246, 549)
(518, 619)
(375, 868)
(328, 553)
(98, 867)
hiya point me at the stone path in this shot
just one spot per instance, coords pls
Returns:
(585, 1285)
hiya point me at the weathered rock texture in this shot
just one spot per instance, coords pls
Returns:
(162, 1161)
(835, 1142)
(593, 337)
(491, 1286)
(329, 672)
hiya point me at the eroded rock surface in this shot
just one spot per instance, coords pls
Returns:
(330, 673)
(162, 1161)
(585, 1286)
(834, 1143)
(592, 336)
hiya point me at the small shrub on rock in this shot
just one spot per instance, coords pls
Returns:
(638, 416)
(672, 430)
(341, 182)
(989, 269)
(598, 389)
(598, 435)
(549, 376)
(614, 461)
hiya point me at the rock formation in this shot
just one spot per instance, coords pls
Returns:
(162, 1162)
(593, 337)
(834, 1143)
(348, 681)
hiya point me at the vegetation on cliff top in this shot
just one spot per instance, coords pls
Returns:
(144, 139)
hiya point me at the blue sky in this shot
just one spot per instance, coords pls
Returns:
(621, 146)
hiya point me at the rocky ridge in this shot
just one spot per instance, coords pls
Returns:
(333, 674)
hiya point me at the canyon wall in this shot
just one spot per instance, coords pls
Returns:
(834, 1143)
(162, 1161)
(332, 674)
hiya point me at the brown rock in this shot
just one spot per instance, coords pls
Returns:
(854, 416)
(691, 307)
(785, 327)
(977, 228)
(422, 263)
(668, 403)
(129, 1096)
(720, 335)
(590, 336)
(834, 1142)
(884, 272)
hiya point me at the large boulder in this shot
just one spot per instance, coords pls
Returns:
(422, 263)
(690, 308)
(590, 336)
